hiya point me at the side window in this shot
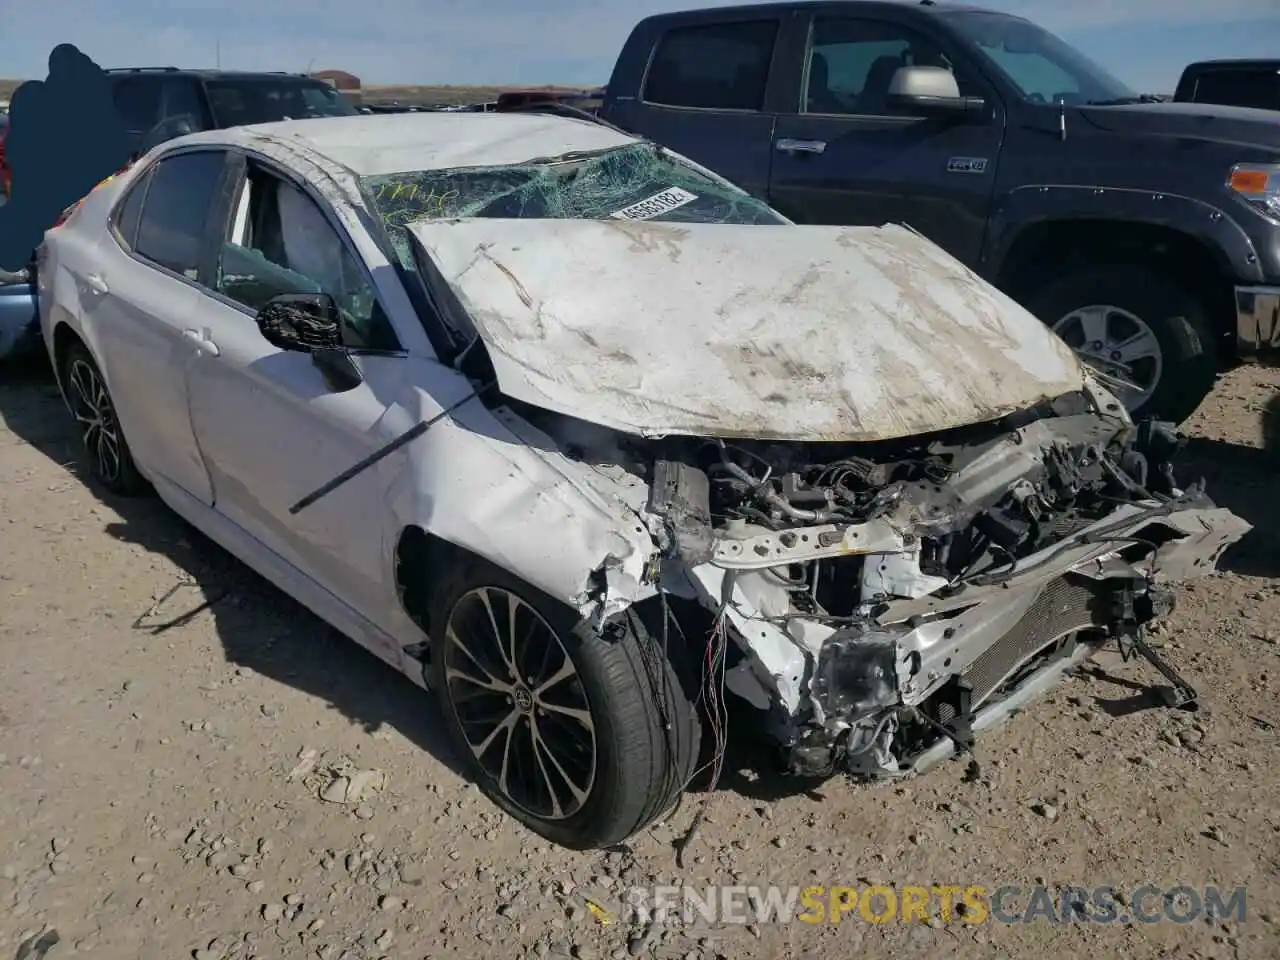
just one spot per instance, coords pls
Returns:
(181, 100)
(175, 214)
(281, 242)
(721, 66)
(1039, 78)
(1241, 88)
(852, 63)
(128, 214)
(138, 101)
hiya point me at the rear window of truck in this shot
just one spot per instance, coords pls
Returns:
(1239, 88)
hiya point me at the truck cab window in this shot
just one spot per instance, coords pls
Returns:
(852, 62)
(721, 66)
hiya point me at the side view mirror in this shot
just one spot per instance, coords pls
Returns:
(931, 92)
(301, 321)
(308, 323)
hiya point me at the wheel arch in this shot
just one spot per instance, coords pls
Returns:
(1044, 249)
(421, 557)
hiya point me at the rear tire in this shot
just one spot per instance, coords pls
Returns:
(109, 459)
(590, 758)
(1121, 299)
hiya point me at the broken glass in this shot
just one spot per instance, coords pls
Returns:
(637, 182)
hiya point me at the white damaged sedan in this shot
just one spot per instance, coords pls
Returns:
(578, 435)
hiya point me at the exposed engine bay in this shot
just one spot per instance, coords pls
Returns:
(886, 599)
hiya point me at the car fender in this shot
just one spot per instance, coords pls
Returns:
(487, 481)
(1033, 204)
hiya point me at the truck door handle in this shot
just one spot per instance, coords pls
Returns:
(787, 145)
(202, 341)
(95, 283)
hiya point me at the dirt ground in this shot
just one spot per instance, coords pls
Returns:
(168, 721)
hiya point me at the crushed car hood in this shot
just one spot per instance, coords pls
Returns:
(774, 332)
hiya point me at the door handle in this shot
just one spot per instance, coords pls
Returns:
(95, 283)
(787, 145)
(202, 341)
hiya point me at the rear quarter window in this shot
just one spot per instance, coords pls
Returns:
(125, 217)
(719, 66)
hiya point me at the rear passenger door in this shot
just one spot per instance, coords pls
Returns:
(843, 155)
(139, 301)
(705, 95)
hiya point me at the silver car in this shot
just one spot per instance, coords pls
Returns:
(581, 437)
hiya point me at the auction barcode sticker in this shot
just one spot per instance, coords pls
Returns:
(659, 203)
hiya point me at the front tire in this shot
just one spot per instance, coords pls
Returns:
(584, 738)
(109, 458)
(1137, 326)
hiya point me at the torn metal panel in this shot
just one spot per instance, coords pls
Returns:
(790, 332)
(490, 482)
(779, 659)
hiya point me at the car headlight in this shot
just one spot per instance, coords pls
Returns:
(1259, 183)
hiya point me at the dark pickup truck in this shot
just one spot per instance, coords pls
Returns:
(1231, 83)
(1146, 233)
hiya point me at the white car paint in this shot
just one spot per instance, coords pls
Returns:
(233, 431)
(266, 432)
(789, 333)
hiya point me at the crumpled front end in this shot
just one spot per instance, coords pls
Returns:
(889, 601)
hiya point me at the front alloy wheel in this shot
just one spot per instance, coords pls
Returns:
(1119, 347)
(1148, 339)
(583, 734)
(520, 703)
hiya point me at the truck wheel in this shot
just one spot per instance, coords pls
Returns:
(1149, 339)
(583, 738)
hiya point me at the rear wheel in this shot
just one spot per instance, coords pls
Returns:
(1148, 340)
(585, 738)
(109, 458)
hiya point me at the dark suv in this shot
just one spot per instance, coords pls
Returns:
(160, 103)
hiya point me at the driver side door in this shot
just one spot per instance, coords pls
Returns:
(271, 425)
(844, 156)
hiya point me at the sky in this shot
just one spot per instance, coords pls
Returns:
(1144, 42)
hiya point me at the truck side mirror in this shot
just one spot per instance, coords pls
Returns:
(931, 92)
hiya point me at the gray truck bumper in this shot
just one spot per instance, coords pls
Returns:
(1257, 322)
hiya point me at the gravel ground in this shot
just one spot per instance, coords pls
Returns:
(169, 722)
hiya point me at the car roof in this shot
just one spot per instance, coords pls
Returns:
(376, 144)
(1235, 64)
(787, 6)
(208, 74)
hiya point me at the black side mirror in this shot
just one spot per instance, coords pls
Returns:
(309, 323)
(301, 321)
(932, 92)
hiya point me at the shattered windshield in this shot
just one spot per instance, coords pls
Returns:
(636, 182)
